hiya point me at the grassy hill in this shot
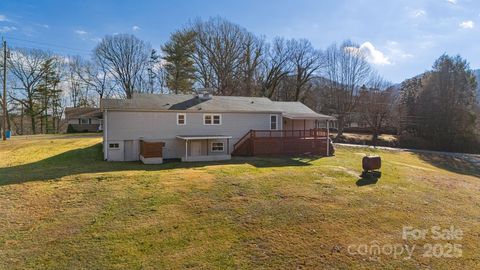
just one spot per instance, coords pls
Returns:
(63, 207)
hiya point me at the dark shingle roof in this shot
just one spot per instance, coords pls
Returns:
(71, 112)
(163, 102)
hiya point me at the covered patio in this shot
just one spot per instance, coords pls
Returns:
(206, 147)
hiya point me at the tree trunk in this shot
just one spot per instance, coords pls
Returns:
(340, 123)
(374, 138)
(32, 118)
(21, 121)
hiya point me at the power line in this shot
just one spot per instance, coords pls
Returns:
(44, 45)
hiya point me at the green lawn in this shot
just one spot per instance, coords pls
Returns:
(62, 207)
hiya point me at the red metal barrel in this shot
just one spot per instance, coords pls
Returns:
(371, 163)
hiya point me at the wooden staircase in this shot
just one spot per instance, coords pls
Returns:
(244, 146)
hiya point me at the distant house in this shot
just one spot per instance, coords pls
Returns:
(150, 127)
(83, 119)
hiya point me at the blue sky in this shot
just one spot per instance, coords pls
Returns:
(403, 38)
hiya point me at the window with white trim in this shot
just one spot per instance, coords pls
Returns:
(218, 146)
(113, 145)
(273, 122)
(181, 119)
(212, 119)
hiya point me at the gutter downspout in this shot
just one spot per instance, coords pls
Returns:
(105, 140)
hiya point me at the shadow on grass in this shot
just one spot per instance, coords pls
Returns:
(458, 163)
(89, 160)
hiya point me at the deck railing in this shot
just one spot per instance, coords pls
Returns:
(308, 133)
(254, 135)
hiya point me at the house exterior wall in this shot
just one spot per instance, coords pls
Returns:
(130, 125)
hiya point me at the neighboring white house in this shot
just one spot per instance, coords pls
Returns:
(195, 127)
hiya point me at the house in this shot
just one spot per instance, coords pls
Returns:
(203, 127)
(83, 119)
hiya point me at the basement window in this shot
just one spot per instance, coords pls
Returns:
(114, 145)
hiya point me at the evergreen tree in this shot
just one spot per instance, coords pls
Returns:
(445, 106)
(48, 94)
(179, 62)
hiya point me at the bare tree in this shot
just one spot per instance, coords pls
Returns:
(93, 75)
(248, 75)
(376, 105)
(275, 66)
(305, 60)
(346, 69)
(221, 50)
(126, 58)
(26, 66)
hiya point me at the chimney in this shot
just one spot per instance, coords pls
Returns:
(204, 93)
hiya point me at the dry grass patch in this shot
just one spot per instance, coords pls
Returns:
(63, 207)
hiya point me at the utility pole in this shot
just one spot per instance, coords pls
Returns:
(4, 125)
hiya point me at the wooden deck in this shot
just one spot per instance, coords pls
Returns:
(283, 142)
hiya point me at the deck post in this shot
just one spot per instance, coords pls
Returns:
(208, 146)
(228, 146)
(328, 138)
(304, 126)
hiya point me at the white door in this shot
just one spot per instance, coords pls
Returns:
(196, 148)
(128, 151)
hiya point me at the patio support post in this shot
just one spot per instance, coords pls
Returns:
(186, 150)
(228, 146)
(208, 146)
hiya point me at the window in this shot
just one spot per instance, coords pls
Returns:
(181, 118)
(217, 147)
(212, 119)
(84, 121)
(273, 122)
(113, 145)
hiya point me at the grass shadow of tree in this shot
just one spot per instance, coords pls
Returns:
(458, 163)
(89, 160)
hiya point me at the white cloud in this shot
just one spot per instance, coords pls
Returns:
(135, 28)
(373, 55)
(5, 29)
(3, 18)
(452, 1)
(80, 32)
(418, 13)
(467, 24)
(396, 52)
